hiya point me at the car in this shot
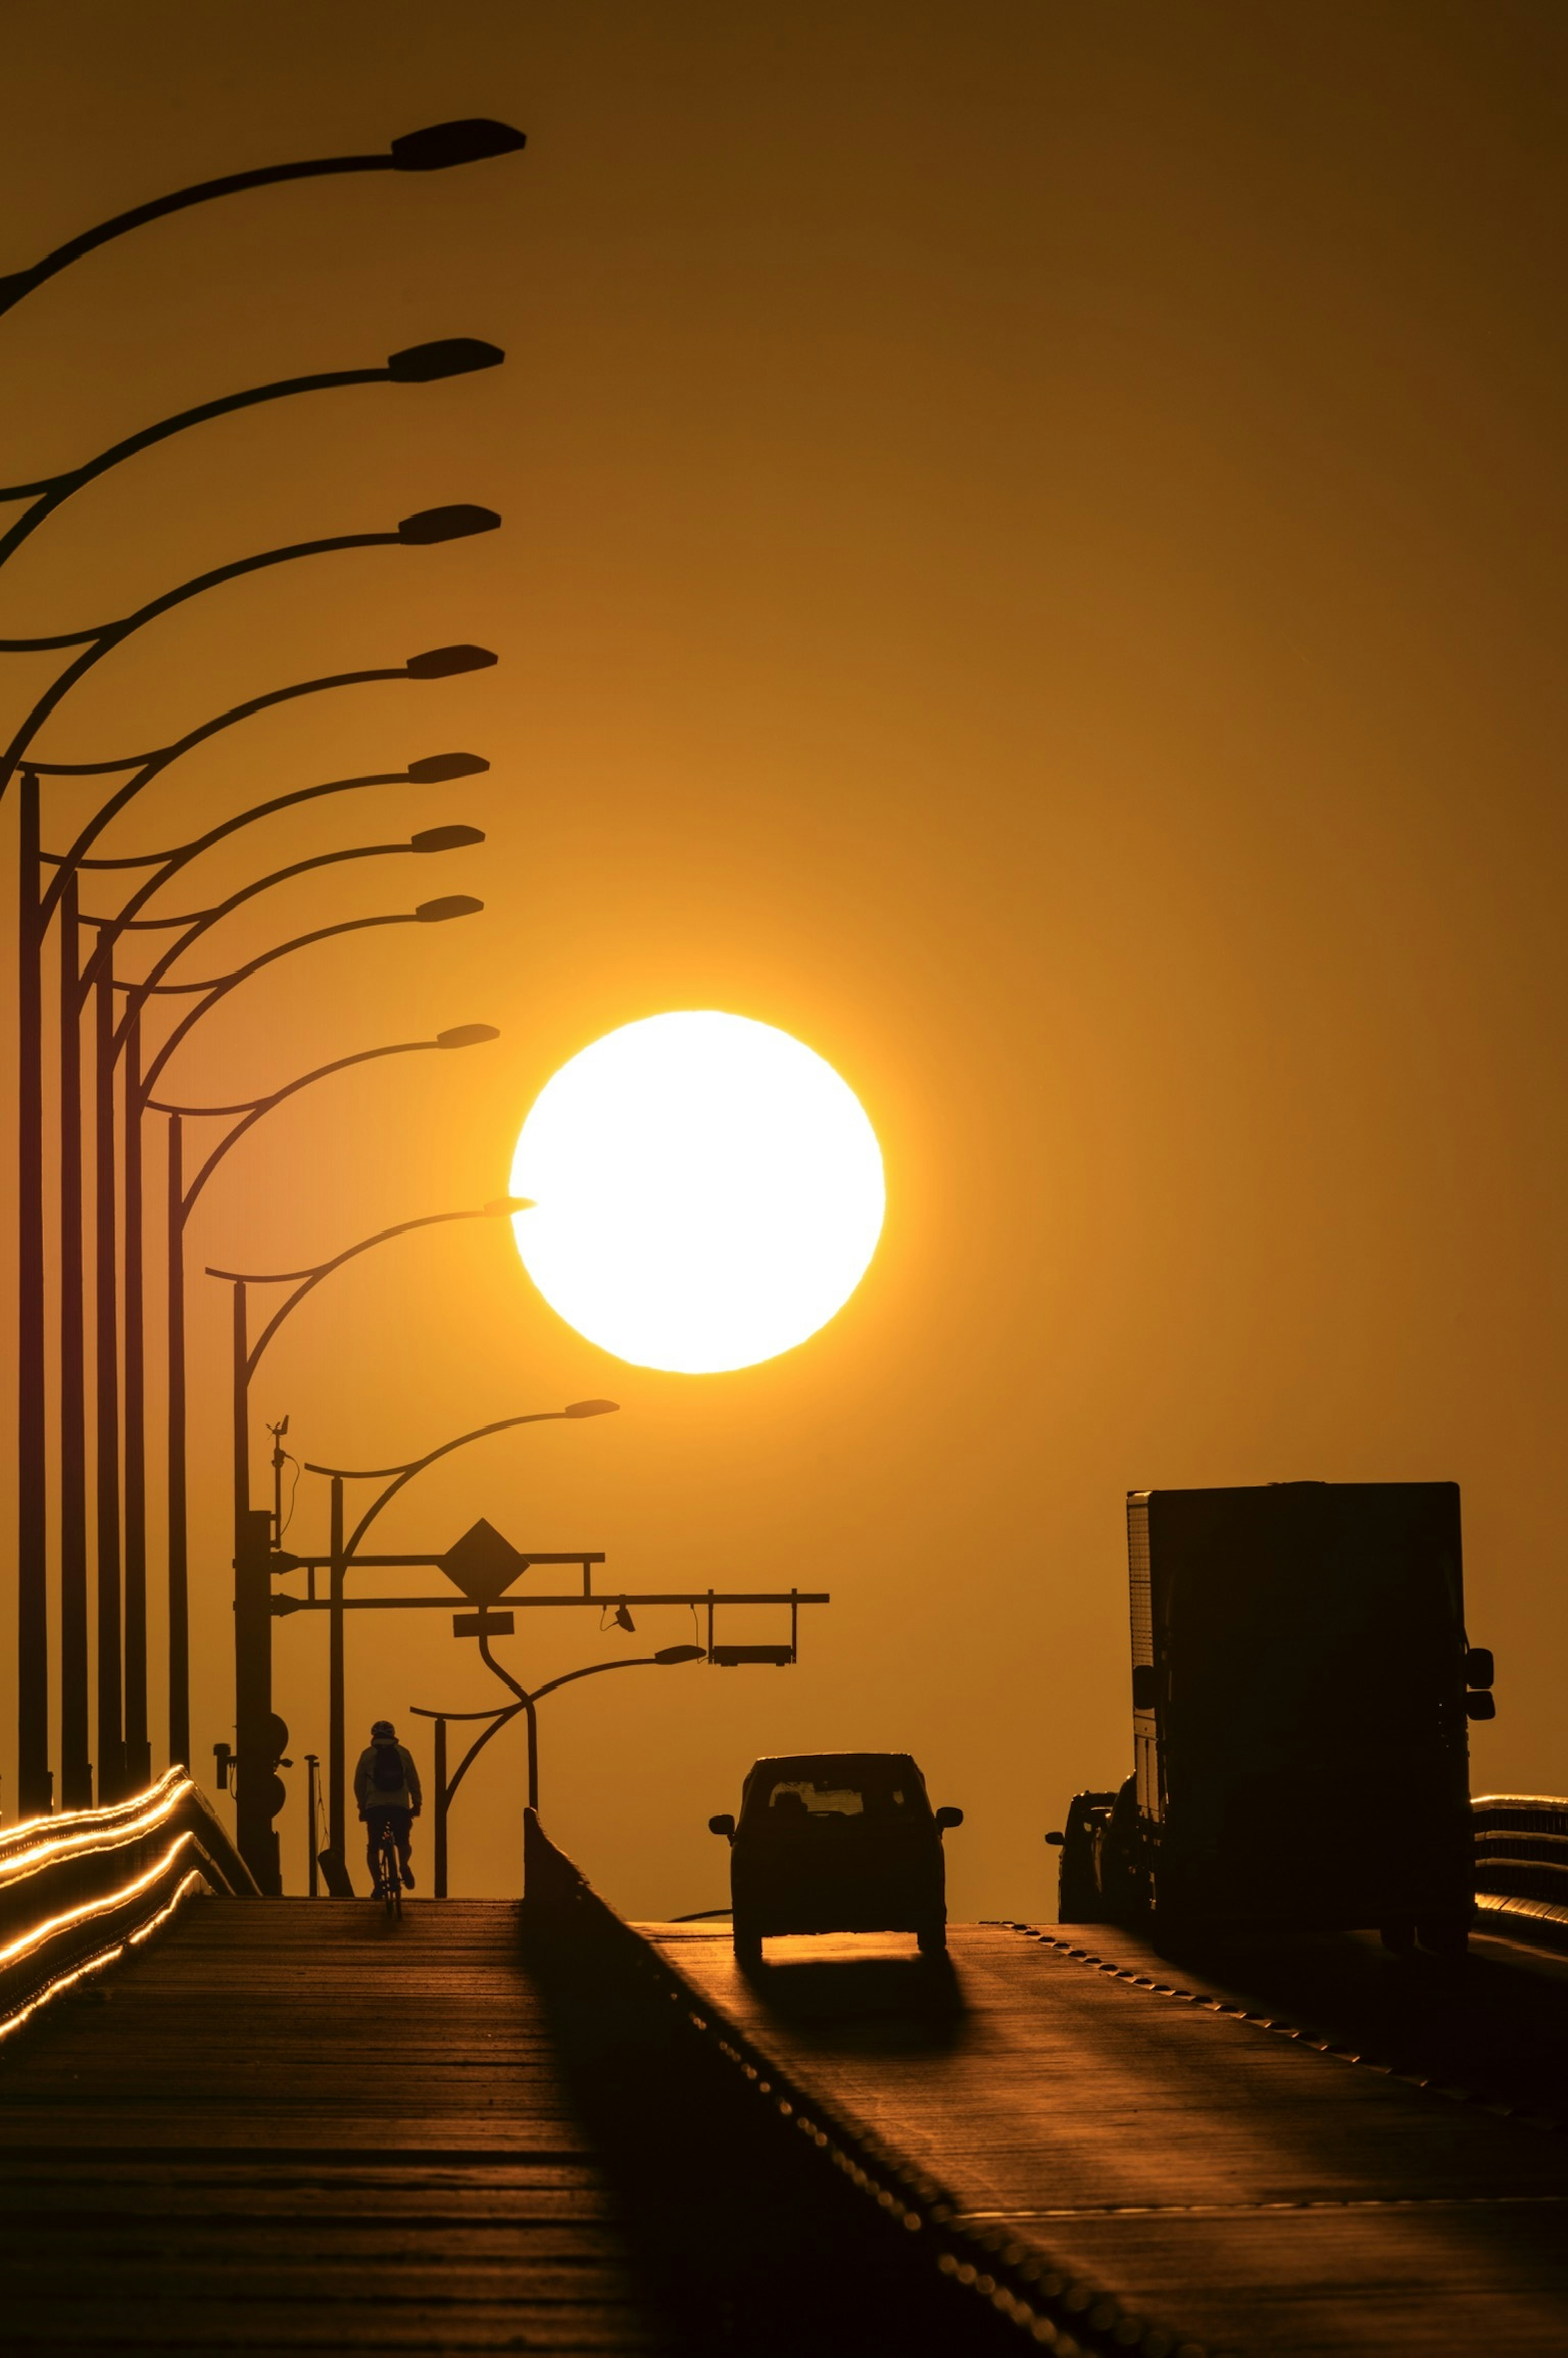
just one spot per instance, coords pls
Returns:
(836, 1842)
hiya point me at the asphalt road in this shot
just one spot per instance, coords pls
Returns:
(1219, 2174)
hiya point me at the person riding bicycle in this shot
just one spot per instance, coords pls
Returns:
(386, 1787)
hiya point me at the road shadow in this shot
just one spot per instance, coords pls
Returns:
(884, 2006)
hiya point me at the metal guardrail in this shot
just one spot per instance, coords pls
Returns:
(1521, 1867)
(79, 1890)
(1011, 2285)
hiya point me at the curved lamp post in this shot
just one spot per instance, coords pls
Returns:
(434, 147)
(343, 1551)
(35, 911)
(446, 1788)
(257, 1797)
(97, 982)
(181, 1201)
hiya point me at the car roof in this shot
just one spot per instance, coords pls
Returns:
(803, 1763)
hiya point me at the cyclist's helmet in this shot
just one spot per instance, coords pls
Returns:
(383, 1727)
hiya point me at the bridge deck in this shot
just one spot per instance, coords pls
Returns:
(1233, 2183)
(290, 2128)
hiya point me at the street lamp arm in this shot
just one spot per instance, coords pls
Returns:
(150, 765)
(429, 149)
(55, 693)
(201, 921)
(256, 1109)
(403, 1475)
(503, 1719)
(169, 863)
(100, 636)
(52, 493)
(309, 1277)
(220, 988)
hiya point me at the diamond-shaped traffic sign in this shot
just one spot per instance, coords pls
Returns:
(482, 1563)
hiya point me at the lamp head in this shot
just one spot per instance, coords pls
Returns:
(449, 356)
(436, 769)
(445, 838)
(469, 1035)
(439, 145)
(455, 904)
(671, 1654)
(427, 526)
(444, 662)
(592, 1408)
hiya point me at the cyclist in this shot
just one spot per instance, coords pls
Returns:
(386, 1787)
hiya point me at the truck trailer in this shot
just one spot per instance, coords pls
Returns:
(1301, 1690)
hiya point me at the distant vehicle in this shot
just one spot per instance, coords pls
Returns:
(1301, 1684)
(836, 1842)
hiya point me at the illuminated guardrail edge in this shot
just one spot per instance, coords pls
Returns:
(174, 1783)
(80, 1891)
(59, 1984)
(1521, 1867)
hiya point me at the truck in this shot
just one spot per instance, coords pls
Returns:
(1302, 1686)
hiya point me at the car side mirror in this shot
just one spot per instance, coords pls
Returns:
(948, 1817)
(1480, 1706)
(1479, 1668)
(723, 1824)
(1056, 1841)
(1145, 1687)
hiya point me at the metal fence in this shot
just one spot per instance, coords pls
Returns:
(1521, 1867)
(79, 1890)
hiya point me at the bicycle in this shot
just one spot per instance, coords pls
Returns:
(388, 1873)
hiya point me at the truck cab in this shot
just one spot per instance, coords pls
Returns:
(1302, 1688)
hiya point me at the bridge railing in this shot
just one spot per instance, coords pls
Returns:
(77, 1890)
(1521, 1866)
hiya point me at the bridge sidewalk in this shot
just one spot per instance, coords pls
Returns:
(290, 2127)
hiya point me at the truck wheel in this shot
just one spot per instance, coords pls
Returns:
(748, 1945)
(1444, 1936)
(933, 1940)
(1399, 1939)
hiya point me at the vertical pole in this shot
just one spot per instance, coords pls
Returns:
(112, 1784)
(35, 1793)
(138, 1750)
(240, 1380)
(312, 1804)
(259, 1735)
(178, 1575)
(337, 1813)
(441, 1799)
(75, 1767)
(532, 1753)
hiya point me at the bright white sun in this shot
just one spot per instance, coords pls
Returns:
(708, 1191)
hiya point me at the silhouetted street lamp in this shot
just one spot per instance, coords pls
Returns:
(180, 1202)
(254, 1546)
(35, 907)
(343, 1551)
(446, 1789)
(76, 986)
(434, 147)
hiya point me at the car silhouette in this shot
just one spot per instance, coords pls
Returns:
(836, 1842)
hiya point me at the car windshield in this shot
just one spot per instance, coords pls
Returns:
(836, 1792)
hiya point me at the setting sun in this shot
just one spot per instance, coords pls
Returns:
(707, 1191)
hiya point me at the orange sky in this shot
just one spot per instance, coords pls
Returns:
(1031, 562)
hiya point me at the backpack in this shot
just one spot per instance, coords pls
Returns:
(386, 1770)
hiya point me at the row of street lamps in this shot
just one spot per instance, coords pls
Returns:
(126, 1078)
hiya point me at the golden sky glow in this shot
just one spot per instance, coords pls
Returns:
(708, 1191)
